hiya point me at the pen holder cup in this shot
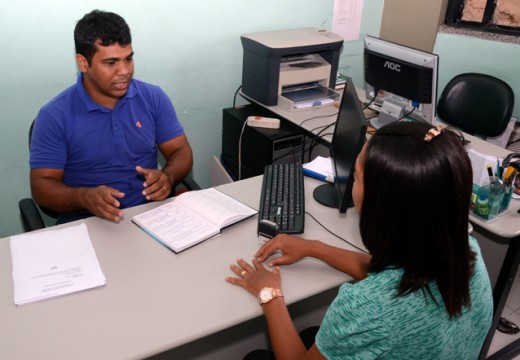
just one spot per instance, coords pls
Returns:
(511, 185)
(508, 194)
(489, 199)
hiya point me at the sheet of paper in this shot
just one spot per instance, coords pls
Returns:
(321, 165)
(213, 204)
(53, 263)
(479, 163)
(346, 20)
(178, 226)
(192, 217)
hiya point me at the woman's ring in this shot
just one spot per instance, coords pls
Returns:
(243, 273)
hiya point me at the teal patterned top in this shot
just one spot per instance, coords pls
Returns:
(367, 320)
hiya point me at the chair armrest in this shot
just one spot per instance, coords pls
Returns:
(31, 217)
(190, 184)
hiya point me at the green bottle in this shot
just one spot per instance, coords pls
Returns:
(482, 206)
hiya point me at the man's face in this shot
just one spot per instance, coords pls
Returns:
(108, 76)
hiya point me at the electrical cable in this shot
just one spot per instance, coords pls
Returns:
(368, 104)
(407, 114)
(513, 142)
(319, 135)
(240, 151)
(336, 235)
(318, 117)
(294, 149)
(236, 93)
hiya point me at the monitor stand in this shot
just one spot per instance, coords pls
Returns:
(327, 195)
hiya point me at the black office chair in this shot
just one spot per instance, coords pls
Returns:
(477, 104)
(33, 220)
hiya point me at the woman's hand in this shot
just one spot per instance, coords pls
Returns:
(293, 248)
(254, 278)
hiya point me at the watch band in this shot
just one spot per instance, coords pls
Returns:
(267, 294)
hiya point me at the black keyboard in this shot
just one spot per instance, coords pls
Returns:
(282, 202)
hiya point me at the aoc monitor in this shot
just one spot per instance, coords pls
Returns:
(347, 141)
(400, 81)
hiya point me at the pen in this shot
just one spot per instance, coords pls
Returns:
(489, 170)
(318, 176)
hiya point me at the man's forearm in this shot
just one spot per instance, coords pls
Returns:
(178, 166)
(57, 196)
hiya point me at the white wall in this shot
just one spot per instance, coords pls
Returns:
(191, 49)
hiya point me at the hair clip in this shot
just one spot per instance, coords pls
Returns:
(433, 132)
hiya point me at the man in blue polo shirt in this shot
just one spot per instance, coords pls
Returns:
(94, 146)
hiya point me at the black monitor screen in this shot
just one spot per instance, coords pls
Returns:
(347, 141)
(410, 81)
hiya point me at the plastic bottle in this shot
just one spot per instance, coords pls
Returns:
(482, 205)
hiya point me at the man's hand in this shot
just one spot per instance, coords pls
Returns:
(48, 190)
(102, 202)
(157, 185)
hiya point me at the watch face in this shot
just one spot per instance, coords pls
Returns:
(265, 295)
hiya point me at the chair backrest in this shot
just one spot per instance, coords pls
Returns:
(47, 212)
(477, 104)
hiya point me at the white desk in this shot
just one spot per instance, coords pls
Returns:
(157, 300)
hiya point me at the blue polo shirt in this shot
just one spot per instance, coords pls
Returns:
(95, 145)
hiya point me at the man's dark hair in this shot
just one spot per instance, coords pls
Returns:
(105, 28)
(415, 210)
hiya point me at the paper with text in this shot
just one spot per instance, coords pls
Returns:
(346, 20)
(192, 217)
(53, 263)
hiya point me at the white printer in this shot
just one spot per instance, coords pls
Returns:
(294, 69)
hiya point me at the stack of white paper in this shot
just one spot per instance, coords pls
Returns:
(53, 263)
(479, 164)
(320, 168)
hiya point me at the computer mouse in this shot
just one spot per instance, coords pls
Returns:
(267, 228)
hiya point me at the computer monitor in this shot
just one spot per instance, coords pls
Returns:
(347, 141)
(400, 81)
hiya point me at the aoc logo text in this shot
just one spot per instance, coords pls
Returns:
(392, 66)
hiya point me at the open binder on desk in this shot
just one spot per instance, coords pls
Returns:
(192, 217)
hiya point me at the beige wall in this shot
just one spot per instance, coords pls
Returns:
(412, 23)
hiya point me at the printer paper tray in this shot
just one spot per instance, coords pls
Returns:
(305, 95)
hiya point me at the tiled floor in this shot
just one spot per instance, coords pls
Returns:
(511, 312)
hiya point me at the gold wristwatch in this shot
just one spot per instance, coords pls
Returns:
(267, 294)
